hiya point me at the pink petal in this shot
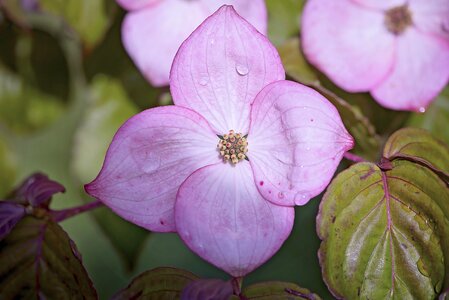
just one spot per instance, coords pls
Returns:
(347, 42)
(221, 67)
(222, 217)
(431, 16)
(153, 34)
(420, 73)
(148, 159)
(295, 143)
(254, 11)
(380, 4)
(135, 4)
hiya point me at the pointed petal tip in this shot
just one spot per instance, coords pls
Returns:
(237, 237)
(224, 48)
(311, 133)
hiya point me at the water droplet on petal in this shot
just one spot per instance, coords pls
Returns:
(203, 81)
(308, 148)
(422, 109)
(281, 195)
(241, 70)
(212, 41)
(301, 166)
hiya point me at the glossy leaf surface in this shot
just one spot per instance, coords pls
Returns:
(278, 291)
(420, 146)
(160, 283)
(385, 234)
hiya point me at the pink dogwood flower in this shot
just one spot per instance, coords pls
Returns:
(396, 49)
(153, 30)
(225, 165)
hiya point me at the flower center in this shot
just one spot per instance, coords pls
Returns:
(397, 19)
(233, 146)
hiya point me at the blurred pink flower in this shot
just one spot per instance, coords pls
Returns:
(153, 30)
(231, 204)
(397, 49)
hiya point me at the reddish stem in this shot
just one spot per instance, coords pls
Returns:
(237, 285)
(61, 215)
(354, 158)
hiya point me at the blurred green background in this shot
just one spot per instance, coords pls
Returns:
(66, 85)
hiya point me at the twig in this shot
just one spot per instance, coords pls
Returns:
(61, 215)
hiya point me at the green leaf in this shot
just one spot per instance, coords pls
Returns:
(108, 109)
(8, 167)
(295, 63)
(386, 121)
(24, 109)
(278, 291)
(436, 117)
(283, 19)
(87, 17)
(385, 234)
(160, 283)
(419, 146)
(38, 260)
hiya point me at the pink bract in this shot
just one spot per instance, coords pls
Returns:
(395, 49)
(163, 170)
(153, 30)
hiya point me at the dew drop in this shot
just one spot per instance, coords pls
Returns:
(422, 109)
(308, 148)
(438, 287)
(203, 81)
(212, 41)
(422, 268)
(281, 195)
(241, 70)
(301, 166)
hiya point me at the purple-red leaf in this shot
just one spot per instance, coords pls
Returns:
(36, 190)
(10, 215)
(207, 289)
(39, 261)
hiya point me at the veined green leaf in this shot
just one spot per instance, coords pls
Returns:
(276, 290)
(420, 146)
(160, 283)
(385, 234)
